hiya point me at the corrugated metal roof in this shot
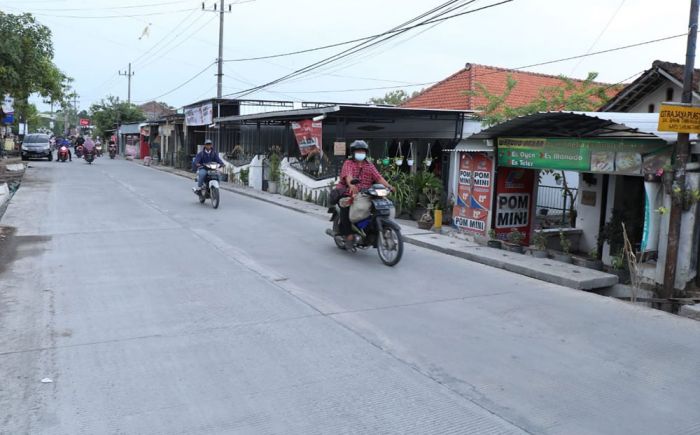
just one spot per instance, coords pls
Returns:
(580, 124)
(470, 145)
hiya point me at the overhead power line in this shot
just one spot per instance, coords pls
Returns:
(501, 71)
(365, 45)
(180, 85)
(100, 17)
(351, 41)
(109, 8)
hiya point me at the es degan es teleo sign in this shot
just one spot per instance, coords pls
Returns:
(679, 118)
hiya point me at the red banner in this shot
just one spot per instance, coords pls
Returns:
(84, 122)
(514, 202)
(309, 136)
(471, 212)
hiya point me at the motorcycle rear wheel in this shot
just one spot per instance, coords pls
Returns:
(214, 197)
(390, 246)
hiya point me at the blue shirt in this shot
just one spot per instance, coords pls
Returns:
(204, 157)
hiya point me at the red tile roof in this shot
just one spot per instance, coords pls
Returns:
(451, 93)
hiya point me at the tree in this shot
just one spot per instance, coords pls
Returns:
(111, 111)
(393, 98)
(26, 60)
(570, 95)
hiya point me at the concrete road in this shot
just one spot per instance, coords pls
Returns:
(153, 314)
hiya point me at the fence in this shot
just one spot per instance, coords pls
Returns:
(553, 204)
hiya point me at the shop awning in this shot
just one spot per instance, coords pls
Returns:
(580, 124)
(467, 145)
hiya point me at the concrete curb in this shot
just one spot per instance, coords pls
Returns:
(552, 271)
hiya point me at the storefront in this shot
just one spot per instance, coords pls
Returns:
(620, 160)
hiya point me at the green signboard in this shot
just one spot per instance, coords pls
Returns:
(582, 155)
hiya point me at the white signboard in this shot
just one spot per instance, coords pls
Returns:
(513, 210)
(200, 115)
(7, 104)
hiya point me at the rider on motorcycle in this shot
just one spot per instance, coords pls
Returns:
(356, 168)
(63, 142)
(80, 140)
(89, 145)
(206, 156)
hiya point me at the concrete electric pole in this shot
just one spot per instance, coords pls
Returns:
(128, 74)
(682, 153)
(220, 58)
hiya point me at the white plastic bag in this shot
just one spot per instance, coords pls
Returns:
(361, 208)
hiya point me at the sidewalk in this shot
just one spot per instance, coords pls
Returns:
(547, 270)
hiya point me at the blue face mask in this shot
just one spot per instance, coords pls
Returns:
(360, 156)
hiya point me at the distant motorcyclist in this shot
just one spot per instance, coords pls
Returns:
(80, 140)
(63, 142)
(206, 156)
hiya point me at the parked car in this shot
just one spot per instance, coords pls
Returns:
(36, 145)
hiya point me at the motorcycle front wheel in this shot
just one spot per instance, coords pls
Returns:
(390, 246)
(214, 193)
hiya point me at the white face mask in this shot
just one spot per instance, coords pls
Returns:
(360, 156)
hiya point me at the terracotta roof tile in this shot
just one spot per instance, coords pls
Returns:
(451, 93)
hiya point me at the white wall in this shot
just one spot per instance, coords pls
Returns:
(657, 97)
(588, 218)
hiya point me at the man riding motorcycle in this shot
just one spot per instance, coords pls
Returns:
(63, 142)
(366, 174)
(207, 155)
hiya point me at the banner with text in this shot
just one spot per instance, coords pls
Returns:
(309, 136)
(612, 156)
(514, 202)
(471, 211)
(199, 115)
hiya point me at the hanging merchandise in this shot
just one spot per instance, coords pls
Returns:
(399, 155)
(429, 158)
(410, 154)
(385, 155)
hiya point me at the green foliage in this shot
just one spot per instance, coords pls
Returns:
(569, 95)
(539, 239)
(618, 261)
(394, 98)
(275, 164)
(564, 242)
(492, 234)
(106, 114)
(515, 237)
(26, 59)
(243, 176)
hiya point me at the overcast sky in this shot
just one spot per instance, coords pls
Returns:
(170, 41)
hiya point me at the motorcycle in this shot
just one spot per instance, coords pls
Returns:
(211, 186)
(377, 231)
(98, 149)
(79, 150)
(90, 156)
(62, 153)
(112, 151)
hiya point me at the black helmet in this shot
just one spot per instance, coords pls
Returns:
(359, 145)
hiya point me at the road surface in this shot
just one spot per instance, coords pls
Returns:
(150, 313)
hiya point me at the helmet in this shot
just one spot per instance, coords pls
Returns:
(359, 145)
(208, 142)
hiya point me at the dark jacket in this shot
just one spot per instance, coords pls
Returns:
(203, 158)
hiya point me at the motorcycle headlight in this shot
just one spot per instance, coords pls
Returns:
(382, 192)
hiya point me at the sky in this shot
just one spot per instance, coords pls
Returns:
(169, 42)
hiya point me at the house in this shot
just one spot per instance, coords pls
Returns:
(454, 91)
(662, 82)
(155, 110)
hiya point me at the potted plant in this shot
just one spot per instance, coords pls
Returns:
(539, 240)
(275, 163)
(493, 240)
(515, 239)
(409, 160)
(617, 263)
(564, 256)
(592, 262)
(426, 221)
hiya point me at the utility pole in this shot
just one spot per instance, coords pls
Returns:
(682, 153)
(129, 74)
(220, 58)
